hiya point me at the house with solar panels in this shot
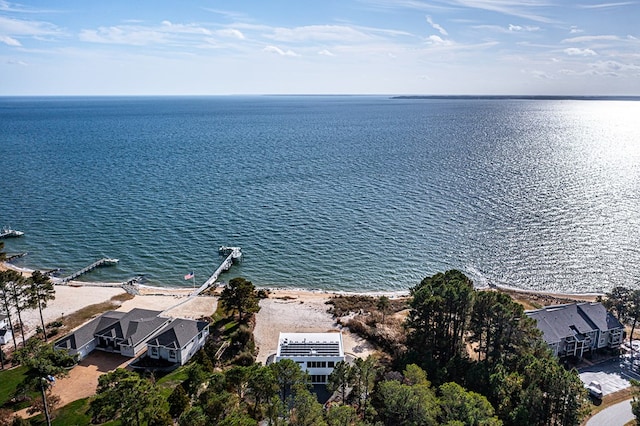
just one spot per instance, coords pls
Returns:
(315, 353)
(577, 328)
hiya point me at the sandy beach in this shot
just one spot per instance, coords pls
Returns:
(285, 310)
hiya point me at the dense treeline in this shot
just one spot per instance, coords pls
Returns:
(471, 358)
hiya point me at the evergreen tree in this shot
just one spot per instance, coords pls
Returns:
(6, 279)
(439, 317)
(340, 379)
(240, 295)
(125, 395)
(38, 292)
(178, 401)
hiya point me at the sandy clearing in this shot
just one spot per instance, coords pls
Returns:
(299, 311)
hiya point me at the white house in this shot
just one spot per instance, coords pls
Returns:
(178, 341)
(316, 353)
(122, 332)
(576, 328)
(5, 331)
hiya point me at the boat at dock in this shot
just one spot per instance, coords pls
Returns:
(10, 233)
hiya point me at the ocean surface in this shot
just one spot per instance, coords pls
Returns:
(345, 193)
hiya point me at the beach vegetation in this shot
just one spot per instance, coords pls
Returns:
(240, 295)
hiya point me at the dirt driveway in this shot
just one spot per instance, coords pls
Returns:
(83, 378)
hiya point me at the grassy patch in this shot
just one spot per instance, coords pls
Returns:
(80, 317)
(73, 414)
(174, 378)
(9, 381)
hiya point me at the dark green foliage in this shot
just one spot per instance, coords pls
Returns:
(341, 415)
(306, 411)
(439, 319)
(39, 292)
(178, 401)
(400, 404)
(238, 418)
(194, 417)
(288, 376)
(469, 408)
(499, 327)
(196, 377)
(125, 395)
(239, 295)
(340, 379)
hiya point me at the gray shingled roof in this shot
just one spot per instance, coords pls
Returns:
(178, 333)
(561, 321)
(558, 322)
(599, 315)
(132, 326)
(85, 334)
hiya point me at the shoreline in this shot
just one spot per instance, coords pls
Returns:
(149, 289)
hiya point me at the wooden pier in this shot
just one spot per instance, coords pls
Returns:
(15, 256)
(102, 262)
(233, 254)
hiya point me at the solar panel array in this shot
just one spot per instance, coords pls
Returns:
(288, 348)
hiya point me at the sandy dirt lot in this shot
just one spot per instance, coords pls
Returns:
(83, 378)
(297, 312)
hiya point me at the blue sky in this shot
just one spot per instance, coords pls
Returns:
(206, 47)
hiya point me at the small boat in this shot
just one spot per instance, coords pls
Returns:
(110, 261)
(10, 233)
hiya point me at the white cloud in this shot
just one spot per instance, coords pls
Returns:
(230, 32)
(123, 35)
(586, 39)
(574, 51)
(140, 35)
(520, 28)
(575, 30)
(277, 50)
(438, 41)
(15, 62)
(10, 41)
(437, 26)
(606, 5)
(340, 33)
(19, 27)
(325, 52)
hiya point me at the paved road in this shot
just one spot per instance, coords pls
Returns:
(616, 415)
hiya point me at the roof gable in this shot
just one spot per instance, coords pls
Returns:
(178, 333)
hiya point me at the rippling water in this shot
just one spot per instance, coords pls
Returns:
(340, 193)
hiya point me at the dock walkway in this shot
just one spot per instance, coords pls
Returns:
(233, 254)
(102, 262)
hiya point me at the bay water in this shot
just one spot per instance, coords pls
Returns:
(352, 193)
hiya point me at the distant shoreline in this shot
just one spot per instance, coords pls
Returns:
(522, 97)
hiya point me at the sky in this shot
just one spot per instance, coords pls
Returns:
(209, 47)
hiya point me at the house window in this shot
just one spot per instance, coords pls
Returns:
(172, 354)
(331, 364)
(154, 351)
(318, 378)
